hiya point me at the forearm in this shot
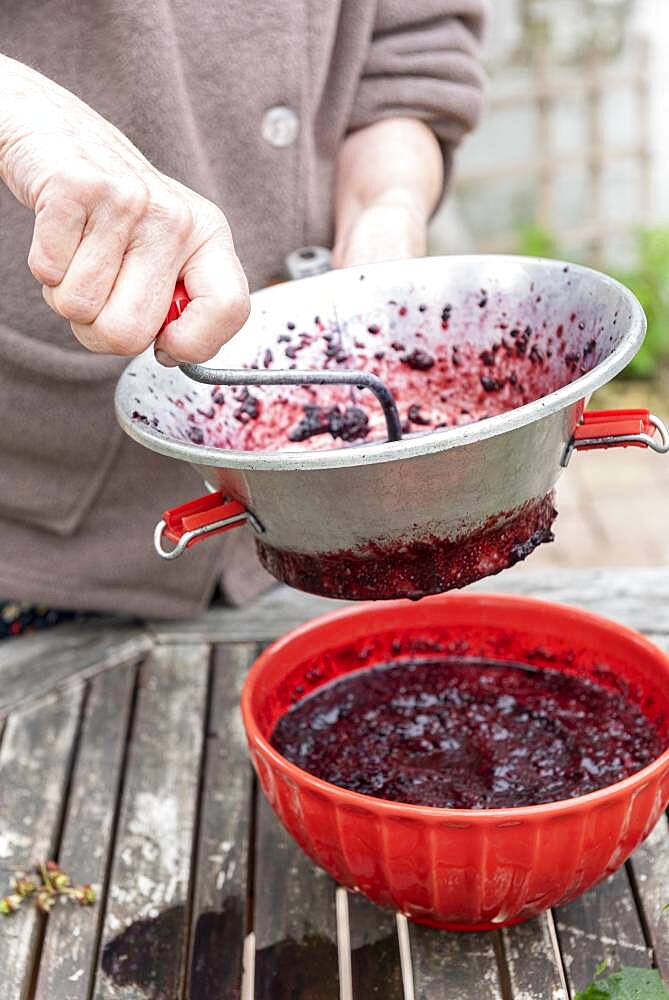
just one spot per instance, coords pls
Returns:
(14, 87)
(31, 103)
(396, 161)
(391, 170)
(25, 94)
(13, 77)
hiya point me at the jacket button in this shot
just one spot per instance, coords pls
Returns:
(280, 126)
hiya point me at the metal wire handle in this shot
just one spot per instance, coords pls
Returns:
(189, 536)
(363, 380)
(616, 440)
(306, 261)
(661, 446)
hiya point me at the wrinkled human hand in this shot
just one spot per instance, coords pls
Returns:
(382, 231)
(112, 234)
(389, 178)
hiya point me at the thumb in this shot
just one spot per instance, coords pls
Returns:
(219, 304)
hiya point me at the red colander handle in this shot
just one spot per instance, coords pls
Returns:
(619, 429)
(179, 302)
(196, 520)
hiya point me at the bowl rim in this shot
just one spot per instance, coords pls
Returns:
(412, 446)
(506, 815)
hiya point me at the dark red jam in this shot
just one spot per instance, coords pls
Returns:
(413, 569)
(467, 734)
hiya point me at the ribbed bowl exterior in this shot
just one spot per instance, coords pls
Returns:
(462, 869)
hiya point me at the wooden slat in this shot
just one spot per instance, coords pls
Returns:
(262, 621)
(650, 869)
(219, 899)
(146, 917)
(533, 961)
(375, 956)
(35, 763)
(637, 597)
(47, 659)
(69, 954)
(295, 928)
(602, 924)
(448, 966)
(145, 932)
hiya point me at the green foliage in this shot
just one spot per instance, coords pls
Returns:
(628, 984)
(648, 279)
(533, 241)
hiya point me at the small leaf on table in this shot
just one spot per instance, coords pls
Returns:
(628, 984)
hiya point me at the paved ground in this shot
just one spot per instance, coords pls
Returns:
(613, 506)
(613, 511)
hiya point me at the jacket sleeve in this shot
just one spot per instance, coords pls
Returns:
(424, 63)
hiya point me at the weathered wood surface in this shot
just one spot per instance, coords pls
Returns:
(636, 597)
(601, 925)
(533, 961)
(449, 966)
(145, 936)
(35, 761)
(202, 893)
(649, 868)
(375, 954)
(294, 918)
(220, 920)
(69, 953)
(273, 614)
(42, 661)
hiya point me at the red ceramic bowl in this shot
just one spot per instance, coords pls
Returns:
(456, 868)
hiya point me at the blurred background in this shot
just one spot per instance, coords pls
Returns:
(572, 161)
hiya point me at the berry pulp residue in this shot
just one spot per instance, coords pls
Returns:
(416, 567)
(467, 734)
(446, 364)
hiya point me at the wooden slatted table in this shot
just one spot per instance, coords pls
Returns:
(122, 754)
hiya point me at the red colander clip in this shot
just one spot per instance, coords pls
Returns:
(619, 429)
(198, 519)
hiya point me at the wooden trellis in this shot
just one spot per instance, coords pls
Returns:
(552, 85)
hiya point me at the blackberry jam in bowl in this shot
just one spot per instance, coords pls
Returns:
(469, 761)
